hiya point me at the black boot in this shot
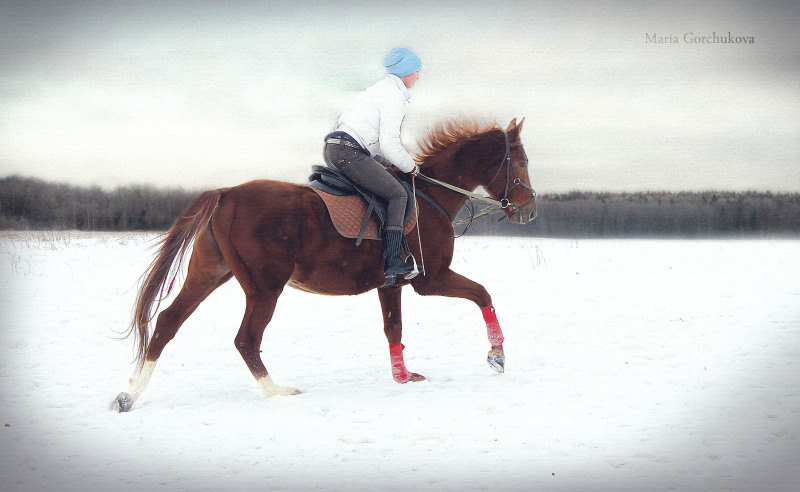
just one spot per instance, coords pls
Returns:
(393, 265)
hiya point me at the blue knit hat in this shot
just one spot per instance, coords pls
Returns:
(401, 61)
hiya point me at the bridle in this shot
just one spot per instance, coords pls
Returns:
(511, 167)
(512, 181)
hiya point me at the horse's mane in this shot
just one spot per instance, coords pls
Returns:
(449, 132)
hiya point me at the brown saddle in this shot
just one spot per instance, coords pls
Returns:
(348, 213)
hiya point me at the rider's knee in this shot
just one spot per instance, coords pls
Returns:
(399, 194)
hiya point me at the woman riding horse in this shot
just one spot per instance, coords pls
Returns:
(271, 234)
(371, 125)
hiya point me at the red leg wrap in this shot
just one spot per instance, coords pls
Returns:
(492, 326)
(399, 371)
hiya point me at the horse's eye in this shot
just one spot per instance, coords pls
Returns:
(523, 164)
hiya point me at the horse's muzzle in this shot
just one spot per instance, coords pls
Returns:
(524, 213)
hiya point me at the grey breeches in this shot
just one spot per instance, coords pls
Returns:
(364, 171)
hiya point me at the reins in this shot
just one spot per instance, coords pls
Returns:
(419, 234)
(495, 204)
(487, 199)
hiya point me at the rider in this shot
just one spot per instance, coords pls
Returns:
(371, 125)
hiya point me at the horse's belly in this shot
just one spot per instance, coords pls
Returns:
(336, 282)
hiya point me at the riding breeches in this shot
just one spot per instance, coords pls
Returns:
(366, 172)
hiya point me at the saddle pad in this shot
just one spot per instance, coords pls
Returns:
(347, 215)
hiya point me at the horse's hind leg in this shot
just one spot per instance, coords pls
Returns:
(261, 256)
(258, 313)
(207, 271)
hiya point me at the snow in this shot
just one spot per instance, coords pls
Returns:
(629, 364)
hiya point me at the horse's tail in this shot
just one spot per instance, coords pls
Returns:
(174, 244)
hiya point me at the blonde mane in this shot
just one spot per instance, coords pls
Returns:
(449, 132)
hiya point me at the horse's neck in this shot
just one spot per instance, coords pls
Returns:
(450, 200)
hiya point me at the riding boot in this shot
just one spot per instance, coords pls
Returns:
(393, 265)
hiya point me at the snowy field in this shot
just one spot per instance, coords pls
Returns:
(630, 364)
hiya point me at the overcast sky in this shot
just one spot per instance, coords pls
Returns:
(211, 94)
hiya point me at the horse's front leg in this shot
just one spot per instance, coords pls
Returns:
(450, 284)
(393, 327)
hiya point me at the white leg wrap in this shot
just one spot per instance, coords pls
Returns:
(269, 388)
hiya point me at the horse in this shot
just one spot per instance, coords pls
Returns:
(270, 234)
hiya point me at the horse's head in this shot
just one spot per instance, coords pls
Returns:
(507, 180)
(467, 154)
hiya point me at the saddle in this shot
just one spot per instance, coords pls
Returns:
(355, 211)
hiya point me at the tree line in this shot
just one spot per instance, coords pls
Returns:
(658, 214)
(27, 203)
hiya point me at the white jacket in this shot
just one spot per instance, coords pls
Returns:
(374, 117)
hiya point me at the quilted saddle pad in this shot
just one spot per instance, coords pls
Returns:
(347, 215)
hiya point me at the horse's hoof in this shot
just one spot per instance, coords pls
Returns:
(497, 360)
(281, 391)
(122, 403)
(412, 378)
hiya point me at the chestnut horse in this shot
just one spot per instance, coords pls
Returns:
(270, 234)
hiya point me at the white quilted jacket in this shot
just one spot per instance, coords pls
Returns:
(374, 117)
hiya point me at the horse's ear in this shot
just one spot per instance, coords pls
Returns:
(515, 128)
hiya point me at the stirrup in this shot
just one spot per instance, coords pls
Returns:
(391, 279)
(413, 272)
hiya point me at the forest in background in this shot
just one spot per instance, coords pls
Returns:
(28, 203)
